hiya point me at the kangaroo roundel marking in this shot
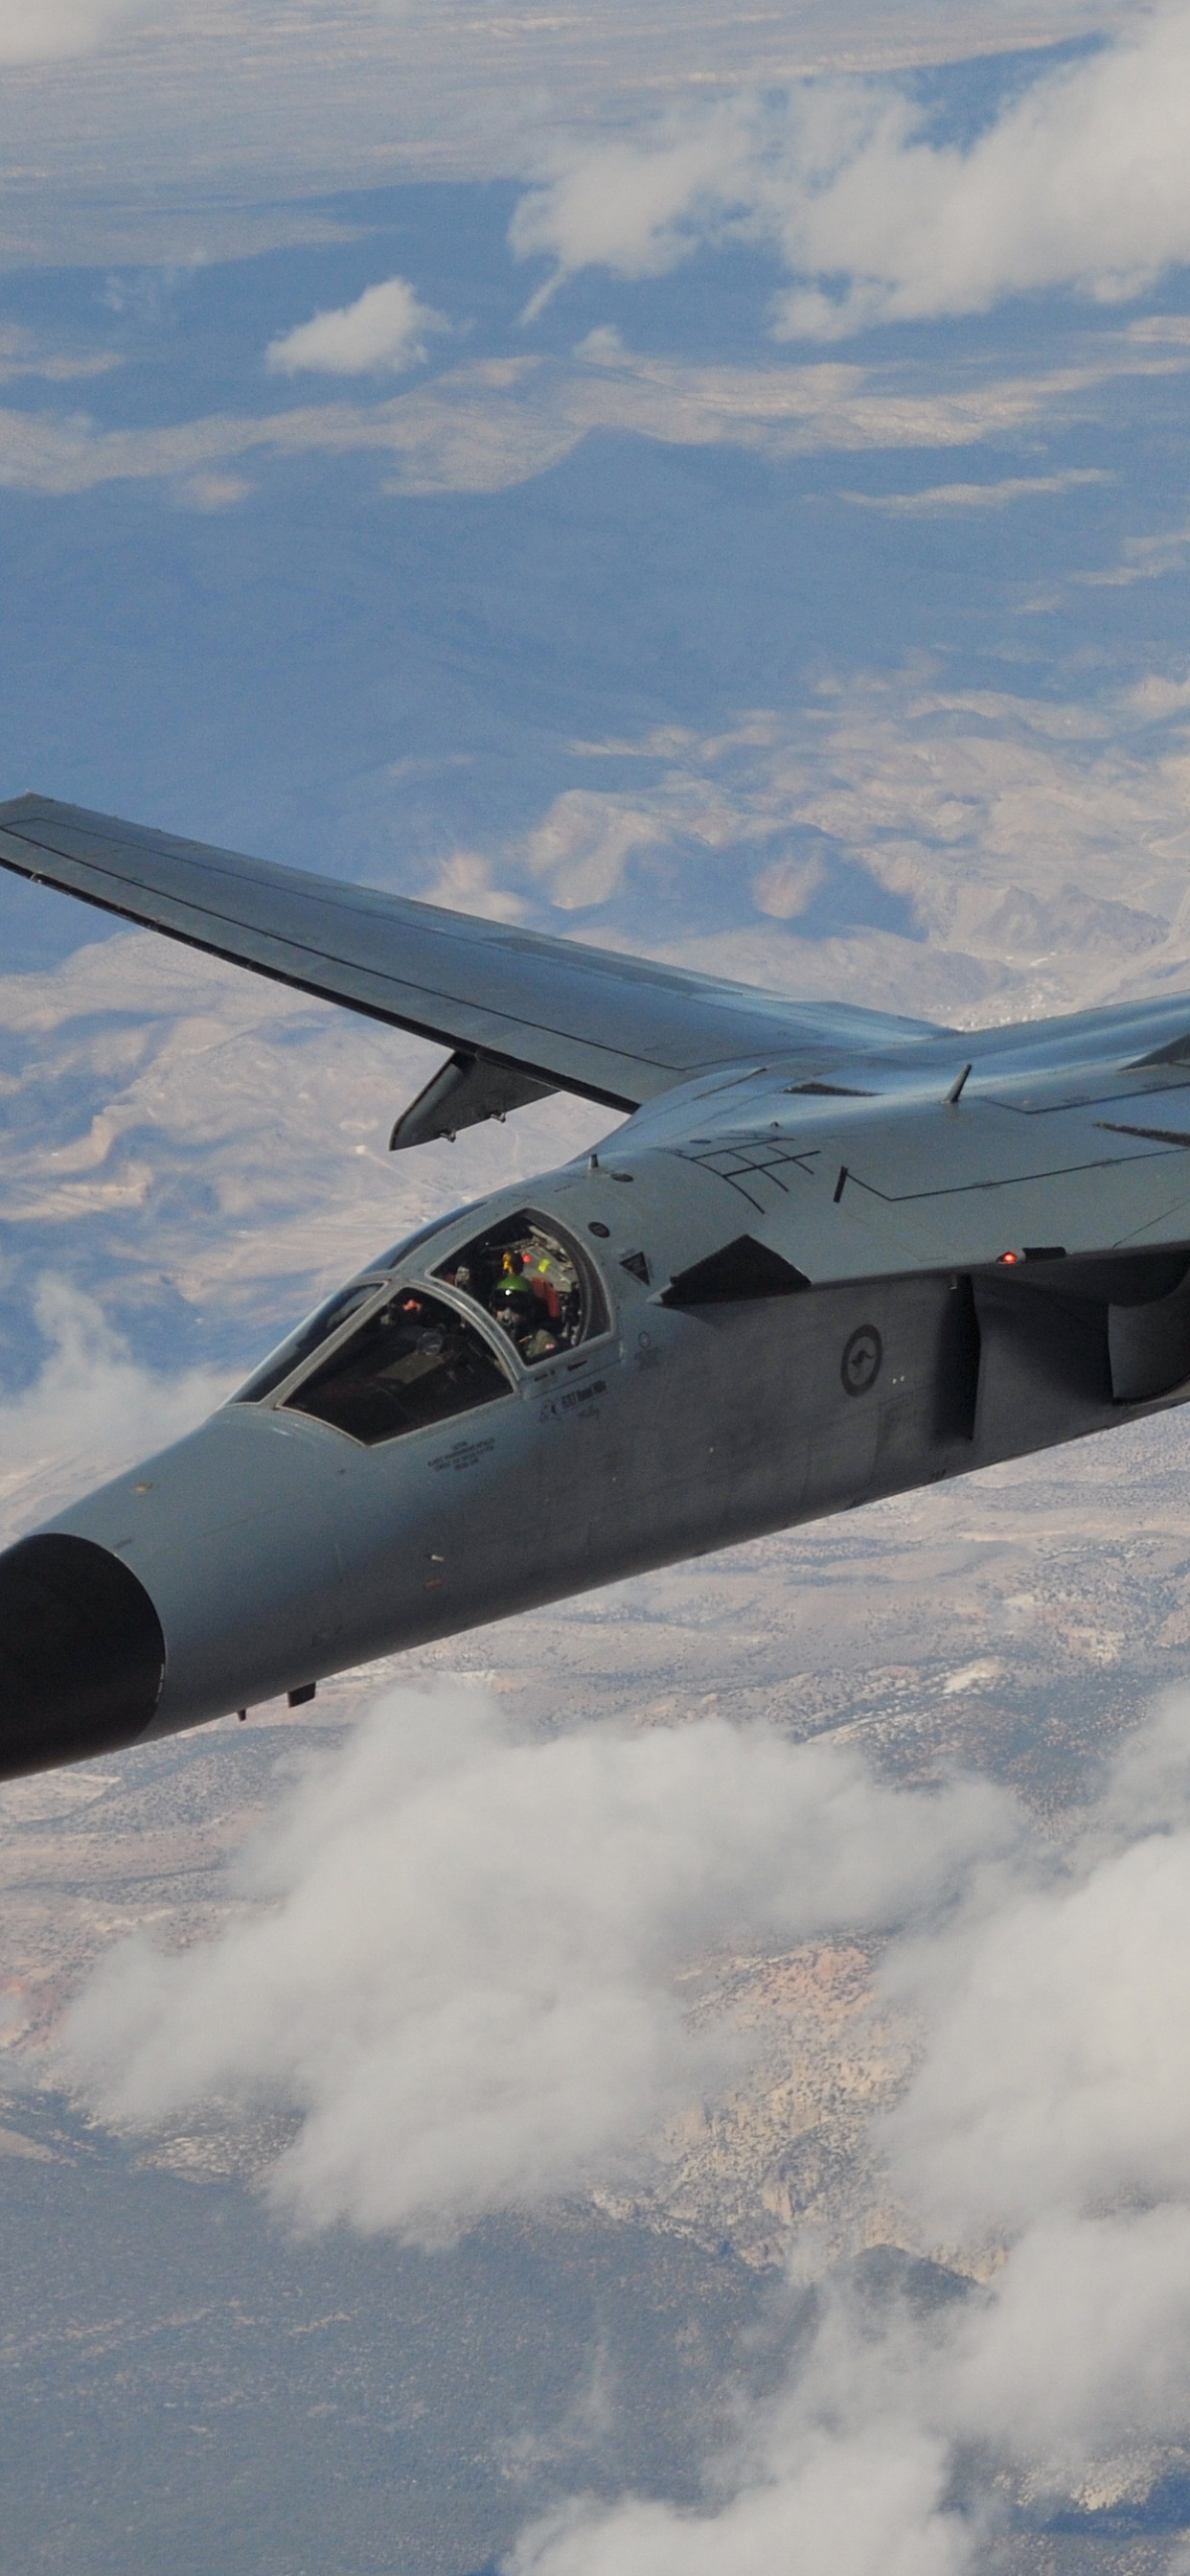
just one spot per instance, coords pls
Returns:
(862, 1355)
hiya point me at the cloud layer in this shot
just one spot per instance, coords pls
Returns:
(463, 1974)
(497, 422)
(229, 112)
(34, 31)
(1082, 180)
(92, 1410)
(383, 332)
(1049, 2120)
(458, 1967)
(1036, 849)
(1053, 2080)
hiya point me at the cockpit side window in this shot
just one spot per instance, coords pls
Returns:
(540, 1291)
(309, 1337)
(413, 1361)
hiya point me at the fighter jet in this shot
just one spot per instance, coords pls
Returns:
(828, 1255)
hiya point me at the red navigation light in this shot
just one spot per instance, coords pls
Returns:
(1009, 1257)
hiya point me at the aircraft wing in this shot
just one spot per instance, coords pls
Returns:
(561, 1015)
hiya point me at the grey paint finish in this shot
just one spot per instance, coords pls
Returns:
(677, 1432)
(932, 1277)
(463, 1093)
(614, 1028)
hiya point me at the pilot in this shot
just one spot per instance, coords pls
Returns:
(520, 1308)
(513, 1304)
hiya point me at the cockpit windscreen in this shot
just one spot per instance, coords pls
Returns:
(412, 1361)
(308, 1338)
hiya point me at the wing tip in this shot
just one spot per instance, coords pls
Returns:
(24, 808)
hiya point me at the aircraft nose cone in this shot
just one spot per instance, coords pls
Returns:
(81, 1653)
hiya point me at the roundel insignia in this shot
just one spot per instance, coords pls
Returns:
(861, 1360)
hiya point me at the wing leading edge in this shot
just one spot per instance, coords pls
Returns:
(559, 1014)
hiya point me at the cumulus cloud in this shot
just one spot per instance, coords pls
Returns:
(1050, 2103)
(1081, 2347)
(382, 333)
(92, 1410)
(1082, 180)
(635, 208)
(461, 1973)
(456, 1961)
(864, 2503)
(1050, 2082)
(1063, 2378)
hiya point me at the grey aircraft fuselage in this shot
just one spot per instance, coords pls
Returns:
(276, 1548)
(830, 1255)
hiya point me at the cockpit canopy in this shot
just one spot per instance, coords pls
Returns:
(381, 1358)
(541, 1292)
(411, 1361)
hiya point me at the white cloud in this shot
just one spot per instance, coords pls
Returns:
(456, 1961)
(1081, 2347)
(1050, 2080)
(213, 492)
(583, 844)
(1050, 2098)
(1142, 559)
(34, 31)
(1082, 180)
(231, 112)
(21, 356)
(975, 496)
(869, 2503)
(498, 422)
(634, 208)
(1064, 2378)
(1038, 845)
(382, 333)
(461, 1973)
(91, 1411)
